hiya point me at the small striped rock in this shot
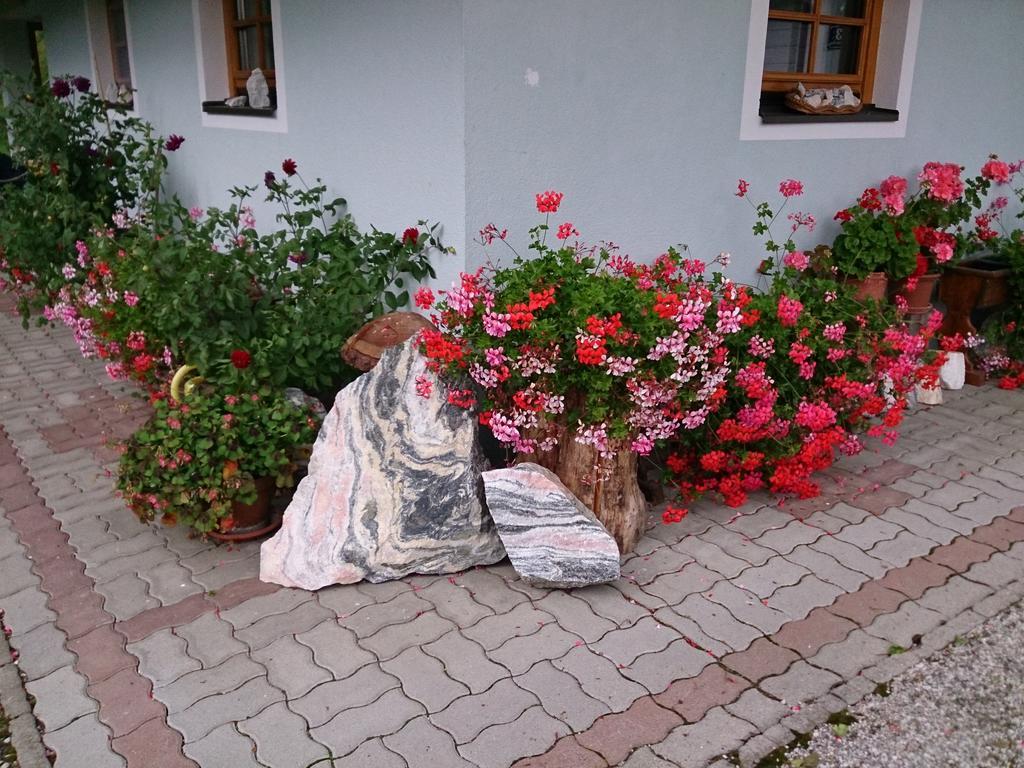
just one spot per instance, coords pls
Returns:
(551, 538)
(393, 488)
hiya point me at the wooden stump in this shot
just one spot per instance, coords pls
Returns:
(614, 495)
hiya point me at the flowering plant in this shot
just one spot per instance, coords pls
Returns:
(780, 255)
(583, 341)
(84, 161)
(877, 235)
(194, 459)
(204, 287)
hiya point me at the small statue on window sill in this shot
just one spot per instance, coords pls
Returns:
(237, 101)
(839, 100)
(259, 91)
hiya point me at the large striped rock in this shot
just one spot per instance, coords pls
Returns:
(551, 538)
(393, 488)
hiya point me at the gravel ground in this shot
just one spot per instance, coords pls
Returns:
(961, 708)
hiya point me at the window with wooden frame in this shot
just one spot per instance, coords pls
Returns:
(120, 60)
(822, 43)
(249, 37)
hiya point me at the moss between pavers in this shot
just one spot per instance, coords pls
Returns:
(8, 758)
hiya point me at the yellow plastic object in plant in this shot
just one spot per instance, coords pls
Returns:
(179, 383)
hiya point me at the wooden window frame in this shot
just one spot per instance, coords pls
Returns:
(110, 6)
(862, 81)
(237, 76)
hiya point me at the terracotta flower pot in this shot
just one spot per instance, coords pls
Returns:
(920, 298)
(252, 520)
(871, 288)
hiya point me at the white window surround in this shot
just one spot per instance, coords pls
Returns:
(211, 60)
(100, 55)
(897, 50)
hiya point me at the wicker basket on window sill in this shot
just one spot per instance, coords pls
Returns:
(793, 101)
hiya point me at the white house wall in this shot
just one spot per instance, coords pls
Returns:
(460, 110)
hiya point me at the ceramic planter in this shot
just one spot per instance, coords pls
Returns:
(871, 288)
(253, 520)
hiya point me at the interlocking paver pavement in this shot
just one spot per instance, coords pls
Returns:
(716, 622)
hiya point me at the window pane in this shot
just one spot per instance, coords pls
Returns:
(245, 9)
(265, 7)
(853, 9)
(248, 48)
(801, 6)
(787, 46)
(837, 49)
(268, 46)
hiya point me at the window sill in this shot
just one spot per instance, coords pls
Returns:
(774, 112)
(220, 108)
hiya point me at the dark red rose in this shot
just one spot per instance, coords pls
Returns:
(289, 167)
(81, 84)
(269, 179)
(410, 236)
(173, 142)
(60, 88)
(240, 359)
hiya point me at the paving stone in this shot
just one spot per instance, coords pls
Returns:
(691, 632)
(454, 602)
(424, 679)
(126, 596)
(127, 701)
(290, 667)
(698, 744)
(916, 577)
(673, 588)
(325, 701)
(343, 599)
(60, 698)
(798, 600)
(656, 671)
(716, 621)
(520, 653)
(784, 540)
(88, 535)
(758, 522)
(997, 571)
(423, 745)
(465, 661)
(765, 579)
(491, 590)
(901, 627)
(561, 696)
(373, 617)
(866, 534)
(116, 548)
(251, 611)
(954, 597)
(614, 736)
(494, 631)
(599, 678)
(301, 619)
(711, 556)
(825, 523)
(850, 514)
(281, 737)
(206, 714)
(228, 572)
(118, 568)
(162, 657)
(210, 640)
(566, 752)
(335, 649)
(827, 568)
(950, 496)
(871, 600)
(1000, 534)
(920, 526)
(961, 554)
(848, 657)
(982, 511)
(387, 715)
(170, 582)
(939, 516)
(808, 635)
(84, 743)
(41, 651)
(575, 615)
(607, 602)
(223, 746)
(622, 646)
(747, 607)
(945, 634)
(466, 717)
(757, 709)
(645, 758)
(692, 698)
(498, 746)
(800, 683)
(392, 640)
(850, 556)
(16, 571)
(193, 686)
(643, 569)
(762, 659)
(902, 549)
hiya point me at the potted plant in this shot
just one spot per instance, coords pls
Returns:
(877, 242)
(581, 360)
(982, 282)
(213, 461)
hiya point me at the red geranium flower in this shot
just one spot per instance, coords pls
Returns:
(173, 142)
(240, 359)
(289, 167)
(410, 236)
